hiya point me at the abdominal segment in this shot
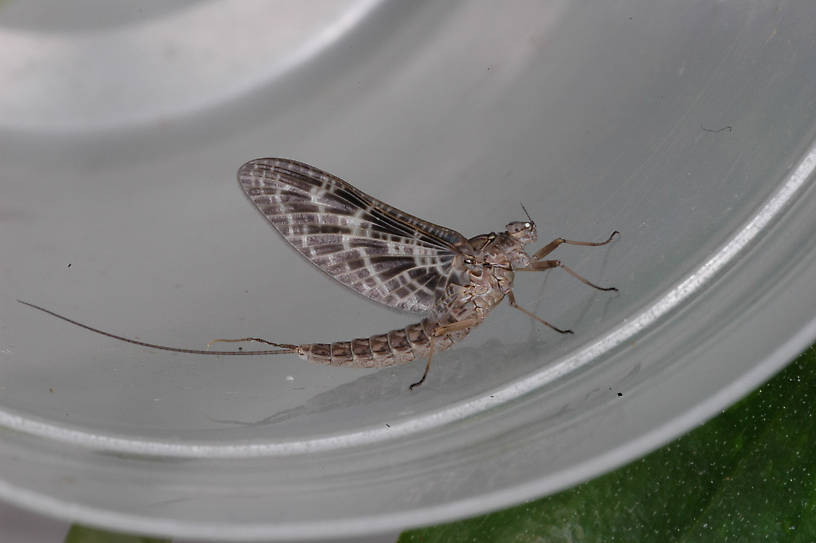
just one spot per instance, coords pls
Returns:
(396, 347)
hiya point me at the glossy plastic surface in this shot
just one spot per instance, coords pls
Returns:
(688, 126)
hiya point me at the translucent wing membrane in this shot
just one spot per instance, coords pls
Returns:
(381, 252)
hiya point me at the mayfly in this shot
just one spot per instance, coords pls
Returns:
(391, 257)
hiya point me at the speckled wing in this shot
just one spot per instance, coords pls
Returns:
(381, 252)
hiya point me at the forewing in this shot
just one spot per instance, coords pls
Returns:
(381, 252)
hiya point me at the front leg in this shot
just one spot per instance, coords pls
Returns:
(554, 244)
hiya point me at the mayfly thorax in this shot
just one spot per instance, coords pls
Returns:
(389, 256)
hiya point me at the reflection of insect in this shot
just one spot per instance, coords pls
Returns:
(389, 256)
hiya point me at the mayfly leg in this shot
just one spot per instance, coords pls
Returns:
(441, 331)
(542, 265)
(427, 367)
(240, 340)
(554, 244)
(512, 299)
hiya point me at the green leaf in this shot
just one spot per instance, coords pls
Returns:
(747, 475)
(84, 534)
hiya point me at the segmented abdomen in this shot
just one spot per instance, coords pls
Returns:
(395, 347)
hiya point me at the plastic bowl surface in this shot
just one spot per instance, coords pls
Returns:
(688, 126)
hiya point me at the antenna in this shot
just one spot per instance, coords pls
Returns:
(528, 215)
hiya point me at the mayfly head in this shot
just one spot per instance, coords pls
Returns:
(523, 231)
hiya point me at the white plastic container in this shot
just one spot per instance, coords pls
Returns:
(688, 126)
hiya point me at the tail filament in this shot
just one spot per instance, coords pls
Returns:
(286, 348)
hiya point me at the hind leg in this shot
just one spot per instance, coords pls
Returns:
(257, 339)
(441, 331)
(512, 299)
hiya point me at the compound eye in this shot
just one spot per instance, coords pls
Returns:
(469, 261)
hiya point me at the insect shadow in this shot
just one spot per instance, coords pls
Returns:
(467, 368)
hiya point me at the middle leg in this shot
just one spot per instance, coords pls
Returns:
(542, 265)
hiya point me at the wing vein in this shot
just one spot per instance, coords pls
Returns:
(379, 251)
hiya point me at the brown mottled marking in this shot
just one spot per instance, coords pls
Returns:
(416, 334)
(341, 352)
(400, 345)
(361, 348)
(379, 344)
(319, 352)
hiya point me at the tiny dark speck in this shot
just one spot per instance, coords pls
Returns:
(620, 394)
(51, 389)
(240, 348)
(69, 265)
(387, 425)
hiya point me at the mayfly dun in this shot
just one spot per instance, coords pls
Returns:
(389, 256)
